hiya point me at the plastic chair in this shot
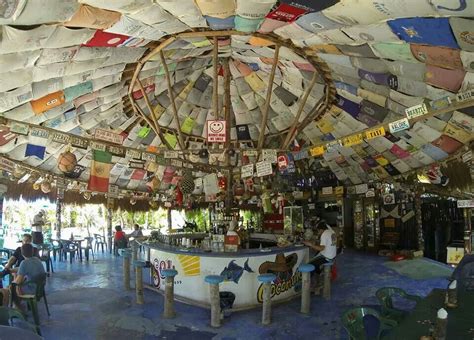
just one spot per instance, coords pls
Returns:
(4, 256)
(45, 256)
(32, 299)
(7, 313)
(88, 248)
(353, 322)
(99, 242)
(71, 248)
(56, 245)
(384, 295)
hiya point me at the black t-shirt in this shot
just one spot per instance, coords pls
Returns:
(20, 257)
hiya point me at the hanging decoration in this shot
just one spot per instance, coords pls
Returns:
(187, 183)
(67, 162)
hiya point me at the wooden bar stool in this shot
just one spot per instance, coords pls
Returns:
(126, 254)
(267, 280)
(169, 275)
(327, 280)
(139, 265)
(305, 270)
(214, 281)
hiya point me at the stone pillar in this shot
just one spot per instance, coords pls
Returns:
(327, 281)
(215, 300)
(169, 275)
(126, 254)
(267, 280)
(134, 246)
(305, 270)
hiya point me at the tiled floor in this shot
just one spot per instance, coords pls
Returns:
(87, 302)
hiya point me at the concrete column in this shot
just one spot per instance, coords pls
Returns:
(169, 274)
(327, 281)
(215, 299)
(267, 280)
(139, 283)
(305, 270)
(134, 247)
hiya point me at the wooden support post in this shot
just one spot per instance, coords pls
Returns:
(155, 125)
(215, 85)
(58, 218)
(168, 311)
(172, 99)
(327, 281)
(263, 124)
(228, 120)
(467, 230)
(215, 305)
(126, 269)
(292, 130)
(306, 292)
(109, 229)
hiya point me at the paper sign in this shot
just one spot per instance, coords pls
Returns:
(352, 140)
(409, 215)
(171, 154)
(370, 193)
(465, 203)
(113, 191)
(327, 190)
(79, 142)
(116, 150)
(264, 168)
(371, 134)
(463, 96)
(216, 131)
(247, 171)
(316, 151)
(440, 103)
(339, 191)
(250, 153)
(108, 136)
(97, 146)
(361, 188)
(269, 155)
(7, 164)
(133, 154)
(61, 138)
(21, 129)
(399, 125)
(416, 111)
(188, 125)
(389, 199)
(146, 156)
(176, 163)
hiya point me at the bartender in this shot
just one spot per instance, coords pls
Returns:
(327, 247)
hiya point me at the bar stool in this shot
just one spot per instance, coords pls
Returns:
(305, 270)
(169, 275)
(327, 280)
(267, 280)
(139, 265)
(126, 254)
(214, 281)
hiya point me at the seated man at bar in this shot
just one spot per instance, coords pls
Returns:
(31, 268)
(15, 260)
(327, 248)
(137, 232)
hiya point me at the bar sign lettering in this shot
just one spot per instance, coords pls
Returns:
(416, 111)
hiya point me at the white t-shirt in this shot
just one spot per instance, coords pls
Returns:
(328, 240)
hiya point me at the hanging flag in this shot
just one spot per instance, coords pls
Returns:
(100, 171)
(35, 150)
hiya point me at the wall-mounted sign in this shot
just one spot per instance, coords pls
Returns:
(263, 168)
(19, 128)
(108, 136)
(370, 193)
(133, 154)
(352, 140)
(216, 131)
(269, 155)
(246, 171)
(389, 199)
(316, 151)
(361, 188)
(399, 125)
(374, 133)
(327, 190)
(465, 203)
(98, 146)
(416, 111)
(463, 96)
(171, 154)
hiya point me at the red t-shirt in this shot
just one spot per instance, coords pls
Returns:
(119, 235)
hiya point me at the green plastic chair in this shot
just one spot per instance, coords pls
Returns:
(353, 322)
(32, 299)
(384, 295)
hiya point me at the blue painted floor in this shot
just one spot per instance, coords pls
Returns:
(87, 302)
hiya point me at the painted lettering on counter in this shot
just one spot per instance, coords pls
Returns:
(157, 268)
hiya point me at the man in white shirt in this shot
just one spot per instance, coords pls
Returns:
(327, 248)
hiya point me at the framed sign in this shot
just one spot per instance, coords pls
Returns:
(246, 171)
(216, 131)
(263, 168)
(108, 136)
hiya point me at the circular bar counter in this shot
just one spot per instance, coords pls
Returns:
(239, 269)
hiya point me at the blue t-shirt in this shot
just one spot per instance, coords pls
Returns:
(32, 269)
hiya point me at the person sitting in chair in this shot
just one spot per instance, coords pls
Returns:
(31, 268)
(15, 260)
(120, 238)
(327, 248)
(137, 232)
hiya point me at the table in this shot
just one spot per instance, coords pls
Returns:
(419, 322)
(8, 333)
